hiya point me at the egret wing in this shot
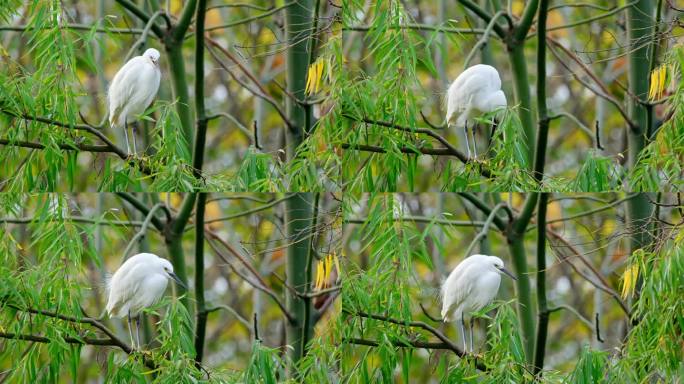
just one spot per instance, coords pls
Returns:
(123, 287)
(122, 87)
(455, 290)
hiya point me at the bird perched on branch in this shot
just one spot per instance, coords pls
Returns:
(471, 286)
(475, 91)
(132, 91)
(138, 284)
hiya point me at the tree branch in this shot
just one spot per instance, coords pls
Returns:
(262, 91)
(453, 151)
(252, 18)
(78, 27)
(482, 206)
(261, 286)
(250, 211)
(184, 21)
(484, 15)
(604, 93)
(142, 15)
(419, 324)
(113, 148)
(142, 207)
(485, 229)
(604, 286)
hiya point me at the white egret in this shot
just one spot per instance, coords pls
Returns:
(132, 91)
(471, 286)
(139, 283)
(476, 90)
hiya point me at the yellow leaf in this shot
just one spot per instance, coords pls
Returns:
(176, 6)
(629, 278)
(313, 77)
(319, 276)
(657, 86)
(328, 268)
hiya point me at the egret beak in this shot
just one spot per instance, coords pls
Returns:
(177, 280)
(506, 271)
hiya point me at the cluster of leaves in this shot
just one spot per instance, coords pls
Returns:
(50, 277)
(44, 270)
(387, 278)
(660, 163)
(653, 349)
(46, 89)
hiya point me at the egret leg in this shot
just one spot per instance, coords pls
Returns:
(494, 126)
(463, 333)
(474, 140)
(137, 330)
(135, 130)
(130, 332)
(128, 147)
(465, 130)
(472, 349)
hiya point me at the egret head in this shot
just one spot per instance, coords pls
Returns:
(167, 268)
(499, 266)
(497, 100)
(153, 55)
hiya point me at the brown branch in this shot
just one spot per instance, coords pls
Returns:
(113, 148)
(246, 20)
(261, 286)
(250, 211)
(64, 146)
(407, 150)
(452, 150)
(77, 27)
(262, 91)
(448, 344)
(111, 341)
(604, 92)
(398, 343)
(83, 320)
(604, 286)
(68, 339)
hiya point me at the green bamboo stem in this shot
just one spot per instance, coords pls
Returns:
(202, 122)
(298, 26)
(543, 118)
(639, 26)
(199, 274)
(516, 244)
(298, 216)
(516, 56)
(542, 308)
(180, 91)
(298, 31)
(174, 244)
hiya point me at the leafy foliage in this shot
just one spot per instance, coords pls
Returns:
(660, 163)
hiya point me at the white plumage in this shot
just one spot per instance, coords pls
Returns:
(475, 91)
(133, 89)
(471, 286)
(138, 284)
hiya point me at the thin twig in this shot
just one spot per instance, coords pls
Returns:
(455, 152)
(260, 286)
